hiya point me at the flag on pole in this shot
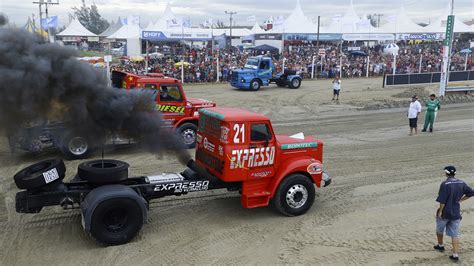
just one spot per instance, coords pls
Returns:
(51, 22)
(207, 23)
(251, 19)
(175, 22)
(278, 20)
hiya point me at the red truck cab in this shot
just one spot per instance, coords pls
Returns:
(179, 111)
(240, 146)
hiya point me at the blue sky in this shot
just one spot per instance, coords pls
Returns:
(198, 11)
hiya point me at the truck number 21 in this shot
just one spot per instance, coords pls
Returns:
(239, 133)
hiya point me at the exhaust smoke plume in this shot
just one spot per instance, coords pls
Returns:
(3, 19)
(38, 79)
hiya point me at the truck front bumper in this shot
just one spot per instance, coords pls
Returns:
(327, 179)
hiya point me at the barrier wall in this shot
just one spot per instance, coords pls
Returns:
(423, 78)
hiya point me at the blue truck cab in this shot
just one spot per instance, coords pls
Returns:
(260, 71)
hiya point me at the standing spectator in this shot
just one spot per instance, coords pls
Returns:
(336, 88)
(432, 106)
(448, 216)
(413, 112)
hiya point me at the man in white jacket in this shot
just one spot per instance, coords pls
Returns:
(413, 112)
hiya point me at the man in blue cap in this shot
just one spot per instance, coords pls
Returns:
(448, 217)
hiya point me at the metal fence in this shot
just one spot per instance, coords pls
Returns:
(423, 78)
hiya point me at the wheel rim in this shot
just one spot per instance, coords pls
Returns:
(296, 196)
(78, 146)
(115, 220)
(188, 136)
(296, 83)
(255, 85)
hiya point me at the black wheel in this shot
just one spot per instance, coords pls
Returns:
(48, 172)
(187, 134)
(103, 171)
(295, 83)
(255, 85)
(294, 196)
(116, 221)
(75, 147)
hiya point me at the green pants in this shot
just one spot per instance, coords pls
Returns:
(429, 120)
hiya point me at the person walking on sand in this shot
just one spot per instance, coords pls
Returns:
(448, 216)
(336, 88)
(413, 112)
(432, 106)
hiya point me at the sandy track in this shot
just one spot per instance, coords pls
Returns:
(379, 210)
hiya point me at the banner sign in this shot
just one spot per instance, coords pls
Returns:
(420, 36)
(313, 37)
(368, 37)
(449, 30)
(159, 35)
(270, 36)
(353, 49)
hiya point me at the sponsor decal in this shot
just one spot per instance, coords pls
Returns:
(208, 145)
(51, 175)
(196, 113)
(224, 134)
(261, 174)
(170, 108)
(221, 150)
(315, 168)
(254, 157)
(299, 145)
(181, 187)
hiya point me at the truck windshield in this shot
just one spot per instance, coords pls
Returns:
(252, 63)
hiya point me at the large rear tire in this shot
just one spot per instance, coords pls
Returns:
(116, 221)
(294, 196)
(295, 83)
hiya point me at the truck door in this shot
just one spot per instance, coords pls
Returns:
(171, 103)
(261, 158)
(265, 70)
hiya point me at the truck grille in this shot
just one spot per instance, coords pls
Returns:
(210, 161)
(234, 77)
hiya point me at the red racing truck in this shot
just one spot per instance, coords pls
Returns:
(178, 111)
(236, 150)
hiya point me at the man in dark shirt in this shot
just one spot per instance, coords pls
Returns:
(448, 217)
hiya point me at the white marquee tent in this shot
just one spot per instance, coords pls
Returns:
(75, 29)
(350, 23)
(401, 23)
(439, 25)
(296, 22)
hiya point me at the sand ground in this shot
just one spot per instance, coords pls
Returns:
(379, 210)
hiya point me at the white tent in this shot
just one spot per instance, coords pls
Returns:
(439, 25)
(131, 30)
(257, 29)
(296, 22)
(350, 23)
(112, 28)
(162, 23)
(236, 32)
(401, 23)
(75, 29)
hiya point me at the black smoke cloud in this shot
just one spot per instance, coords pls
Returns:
(3, 19)
(39, 78)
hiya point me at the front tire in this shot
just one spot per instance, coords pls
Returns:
(255, 85)
(116, 221)
(294, 196)
(187, 134)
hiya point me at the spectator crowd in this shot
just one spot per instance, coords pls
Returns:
(201, 63)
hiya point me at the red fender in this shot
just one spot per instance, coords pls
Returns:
(296, 165)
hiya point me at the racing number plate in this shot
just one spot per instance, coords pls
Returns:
(50, 175)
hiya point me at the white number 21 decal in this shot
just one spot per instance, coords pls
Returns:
(239, 133)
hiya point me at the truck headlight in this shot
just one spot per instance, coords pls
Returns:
(243, 80)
